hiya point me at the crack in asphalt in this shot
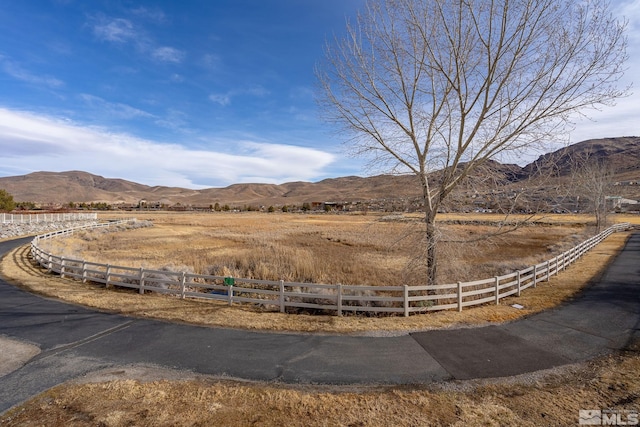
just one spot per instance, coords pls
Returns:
(79, 343)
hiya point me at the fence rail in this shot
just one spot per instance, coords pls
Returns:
(338, 298)
(45, 217)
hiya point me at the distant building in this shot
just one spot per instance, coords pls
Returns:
(618, 202)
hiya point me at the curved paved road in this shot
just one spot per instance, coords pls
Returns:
(75, 340)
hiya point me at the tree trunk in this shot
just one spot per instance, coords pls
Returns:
(601, 213)
(598, 217)
(431, 252)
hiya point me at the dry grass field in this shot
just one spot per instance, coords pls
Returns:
(199, 241)
(182, 241)
(348, 249)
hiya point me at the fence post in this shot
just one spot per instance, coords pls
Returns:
(547, 272)
(578, 251)
(405, 301)
(49, 263)
(282, 307)
(108, 278)
(230, 294)
(518, 281)
(84, 271)
(141, 281)
(459, 296)
(182, 283)
(497, 291)
(535, 276)
(62, 267)
(339, 298)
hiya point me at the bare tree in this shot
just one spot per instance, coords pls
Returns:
(593, 180)
(444, 85)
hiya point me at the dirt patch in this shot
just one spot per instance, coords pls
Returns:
(14, 354)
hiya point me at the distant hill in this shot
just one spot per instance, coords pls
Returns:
(623, 154)
(76, 186)
(83, 187)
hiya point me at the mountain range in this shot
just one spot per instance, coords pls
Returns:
(622, 154)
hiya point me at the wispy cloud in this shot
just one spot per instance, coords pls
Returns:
(224, 99)
(155, 15)
(124, 31)
(211, 61)
(256, 91)
(117, 30)
(175, 120)
(301, 92)
(168, 54)
(34, 142)
(16, 71)
(631, 11)
(621, 120)
(113, 109)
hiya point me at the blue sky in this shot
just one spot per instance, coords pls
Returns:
(193, 93)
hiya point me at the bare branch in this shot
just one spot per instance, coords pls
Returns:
(446, 85)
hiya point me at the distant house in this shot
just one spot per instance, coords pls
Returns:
(618, 202)
(329, 206)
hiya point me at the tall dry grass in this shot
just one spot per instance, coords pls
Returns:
(17, 267)
(347, 249)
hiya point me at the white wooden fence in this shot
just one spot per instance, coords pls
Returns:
(338, 299)
(45, 217)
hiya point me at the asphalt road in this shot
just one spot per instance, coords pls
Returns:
(74, 341)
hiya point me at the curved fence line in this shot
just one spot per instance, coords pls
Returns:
(46, 217)
(290, 296)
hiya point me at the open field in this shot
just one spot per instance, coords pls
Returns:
(17, 266)
(348, 249)
(126, 397)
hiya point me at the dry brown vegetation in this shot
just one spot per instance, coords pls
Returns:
(347, 249)
(551, 398)
(18, 267)
(541, 400)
